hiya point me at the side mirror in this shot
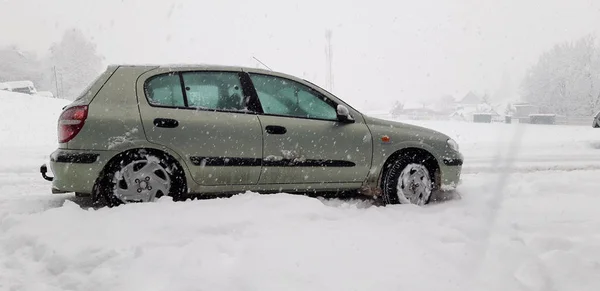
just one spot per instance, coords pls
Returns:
(343, 114)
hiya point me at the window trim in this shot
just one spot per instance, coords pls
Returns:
(183, 91)
(316, 93)
(245, 91)
(337, 98)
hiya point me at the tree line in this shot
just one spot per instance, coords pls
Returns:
(566, 79)
(65, 69)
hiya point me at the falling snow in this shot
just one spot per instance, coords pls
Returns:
(525, 218)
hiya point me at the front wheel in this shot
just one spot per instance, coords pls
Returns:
(408, 181)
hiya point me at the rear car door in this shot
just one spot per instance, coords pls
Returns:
(202, 115)
(304, 143)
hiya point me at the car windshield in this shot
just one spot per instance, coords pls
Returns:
(300, 145)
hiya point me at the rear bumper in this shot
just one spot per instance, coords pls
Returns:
(76, 170)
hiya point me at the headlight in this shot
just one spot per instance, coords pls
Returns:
(452, 144)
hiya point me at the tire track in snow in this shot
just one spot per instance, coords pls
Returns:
(530, 164)
(529, 169)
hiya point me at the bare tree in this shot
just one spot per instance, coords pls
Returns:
(18, 65)
(565, 79)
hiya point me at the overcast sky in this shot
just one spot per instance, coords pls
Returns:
(383, 50)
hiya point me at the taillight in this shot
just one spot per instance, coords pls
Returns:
(70, 122)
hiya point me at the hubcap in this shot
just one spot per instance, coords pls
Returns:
(142, 181)
(414, 185)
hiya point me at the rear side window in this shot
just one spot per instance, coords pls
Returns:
(204, 90)
(214, 90)
(165, 90)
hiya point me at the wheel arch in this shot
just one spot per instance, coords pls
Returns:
(428, 159)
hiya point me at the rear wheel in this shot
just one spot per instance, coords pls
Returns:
(408, 181)
(139, 177)
(141, 181)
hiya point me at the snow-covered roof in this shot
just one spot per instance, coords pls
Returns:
(470, 98)
(413, 105)
(524, 105)
(542, 114)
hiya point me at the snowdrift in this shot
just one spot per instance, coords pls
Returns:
(28, 120)
(27, 130)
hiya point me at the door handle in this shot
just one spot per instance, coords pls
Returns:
(166, 122)
(275, 129)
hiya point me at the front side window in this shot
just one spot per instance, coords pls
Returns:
(281, 96)
(204, 90)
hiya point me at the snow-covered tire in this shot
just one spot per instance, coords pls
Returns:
(139, 176)
(408, 180)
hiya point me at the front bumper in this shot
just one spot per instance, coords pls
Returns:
(450, 170)
(76, 170)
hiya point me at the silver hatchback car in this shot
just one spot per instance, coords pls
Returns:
(141, 132)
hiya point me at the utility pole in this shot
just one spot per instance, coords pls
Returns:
(55, 81)
(329, 59)
(62, 88)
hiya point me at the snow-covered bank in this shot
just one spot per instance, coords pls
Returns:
(27, 130)
(28, 119)
(532, 227)
(537, 231)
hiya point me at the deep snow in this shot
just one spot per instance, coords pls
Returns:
(526, 219)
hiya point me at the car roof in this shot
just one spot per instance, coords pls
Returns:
(200, 66)
(184, 66)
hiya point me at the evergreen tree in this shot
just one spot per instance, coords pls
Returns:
(76, 61)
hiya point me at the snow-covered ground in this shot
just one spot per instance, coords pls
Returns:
(527, 219)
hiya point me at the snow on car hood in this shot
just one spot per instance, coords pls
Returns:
(409, 127)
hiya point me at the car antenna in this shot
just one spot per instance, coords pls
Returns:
(262, 63)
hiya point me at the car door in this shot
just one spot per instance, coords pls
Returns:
(202, 116)
(304, 143)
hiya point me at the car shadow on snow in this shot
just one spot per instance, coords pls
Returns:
(444, 196)
(340, 200)
(83, 202)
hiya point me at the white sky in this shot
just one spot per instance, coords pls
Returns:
(383, 50)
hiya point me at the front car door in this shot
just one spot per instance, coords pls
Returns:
(202, 116)
(304, 143)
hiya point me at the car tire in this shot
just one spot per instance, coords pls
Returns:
(408, 181)
(139, 176)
